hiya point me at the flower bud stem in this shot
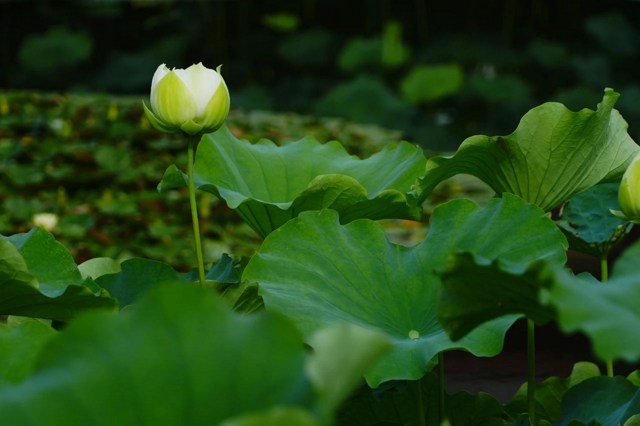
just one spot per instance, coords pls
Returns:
(531, 367)
(194, 213)
(604, 276)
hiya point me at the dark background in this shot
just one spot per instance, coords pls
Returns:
(342, 58)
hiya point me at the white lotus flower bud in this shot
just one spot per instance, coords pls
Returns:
(194, 100)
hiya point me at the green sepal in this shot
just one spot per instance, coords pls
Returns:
(191, 127)
(620, 215)
(156, 122)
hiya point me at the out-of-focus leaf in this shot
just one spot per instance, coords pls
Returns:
(343, 354)
(614, 32)
(180, 356)
(361, 54)
(365, 100)
(58, 49)
(20, 342)
(278, 416)
(430, 83)
(312, 47)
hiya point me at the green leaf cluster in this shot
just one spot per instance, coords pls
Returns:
(342, 301)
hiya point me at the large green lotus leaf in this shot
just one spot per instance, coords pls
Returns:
(606, 401)
(178, 357)
(606, 312)
(20, 342)
(553, 154)
(588, 223)
(269, 185)
(39, 278)
(318, 272)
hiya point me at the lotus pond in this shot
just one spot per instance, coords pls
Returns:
(342, 267)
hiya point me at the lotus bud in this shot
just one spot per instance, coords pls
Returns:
(194, 100)
(629, 193)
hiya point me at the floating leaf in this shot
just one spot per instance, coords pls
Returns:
(320, 272)
(552, 155)
(588, 223)
(269, 185)
(39, 278)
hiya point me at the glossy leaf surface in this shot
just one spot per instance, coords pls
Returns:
(319, 272)
(553, 154)
(268, 185)
(39, 278)
(588, 223)
(137, 276)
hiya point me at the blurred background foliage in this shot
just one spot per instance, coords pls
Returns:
(73, 141)
(437, 71)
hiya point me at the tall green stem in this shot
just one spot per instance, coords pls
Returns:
(194, 213)
(604, 276)
(531, 364)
